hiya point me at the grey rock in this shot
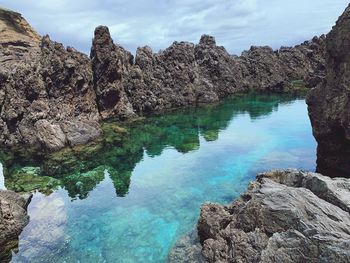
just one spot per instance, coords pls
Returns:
(13, 218)
(328, 103)
(285, 216)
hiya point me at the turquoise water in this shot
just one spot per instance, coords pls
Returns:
(130, 197)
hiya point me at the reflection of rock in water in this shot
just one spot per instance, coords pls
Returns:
(79, 170)
(46, 229)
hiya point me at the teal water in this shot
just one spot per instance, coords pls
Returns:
(131, 196)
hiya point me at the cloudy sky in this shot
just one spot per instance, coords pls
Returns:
(236, 24)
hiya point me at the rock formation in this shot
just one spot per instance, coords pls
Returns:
(13, 218)
(51, 96)
(46, 91)
(285, 216)
(329, 103)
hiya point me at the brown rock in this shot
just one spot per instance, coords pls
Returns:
(13, 218)
(328, 103)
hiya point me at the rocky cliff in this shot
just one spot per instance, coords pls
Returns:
(329, 103)
(13, 218)
(285, 216)
(51, 96)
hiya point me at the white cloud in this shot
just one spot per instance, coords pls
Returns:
(236, 24)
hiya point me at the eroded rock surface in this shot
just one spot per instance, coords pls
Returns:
(329, 103)
(47, 96)
(52, 96)
(285, 216)
(13, 218)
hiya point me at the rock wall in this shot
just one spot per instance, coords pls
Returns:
(51, 96)
(13, 218)
(329, 103)
(285, 216)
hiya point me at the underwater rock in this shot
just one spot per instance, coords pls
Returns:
(13, 218)
(285, 216)
(328, 104)
(187, 249)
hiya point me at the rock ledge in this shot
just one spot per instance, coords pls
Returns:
(285, 216)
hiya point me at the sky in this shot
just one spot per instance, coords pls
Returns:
(236, 24)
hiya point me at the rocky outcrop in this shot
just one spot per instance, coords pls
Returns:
(51, 96)
(110, 65)
(13, 218)
(47, 96)
(285, 216)
(329, 103)
(187, 74)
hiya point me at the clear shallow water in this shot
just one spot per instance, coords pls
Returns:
(133, 195)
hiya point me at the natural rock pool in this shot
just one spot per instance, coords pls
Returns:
(132, 195)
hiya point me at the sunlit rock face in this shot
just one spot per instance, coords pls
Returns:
(46, 91)
(329, 104)
(285, 216)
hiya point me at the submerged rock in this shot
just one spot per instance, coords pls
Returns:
(328, 103)
(285, 216)
(13, 218)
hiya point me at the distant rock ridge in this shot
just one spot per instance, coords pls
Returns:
(329, 103)
(52, 97)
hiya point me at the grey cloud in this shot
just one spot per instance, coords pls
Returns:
(236, 24)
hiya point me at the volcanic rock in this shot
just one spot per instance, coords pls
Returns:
(285, 216)
(329, 103)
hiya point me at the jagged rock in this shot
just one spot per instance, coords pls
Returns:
(328, 103)
(44, 89)
(13, 218)
(110, 64)
(285, 216)
(41, 82)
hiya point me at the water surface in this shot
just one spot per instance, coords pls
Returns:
(131, 196)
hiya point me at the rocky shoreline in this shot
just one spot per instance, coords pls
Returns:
(329, 104)
(294, 216)
(52, 97)
(13, 218)
(285, 216)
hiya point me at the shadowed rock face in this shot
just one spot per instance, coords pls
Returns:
(13, 218)
(51, 96)
(329, 106)
(110, 64)
(285, 216)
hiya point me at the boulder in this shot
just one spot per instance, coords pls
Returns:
(285, 216)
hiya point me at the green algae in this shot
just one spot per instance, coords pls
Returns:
(80, 169)
(28, 179)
